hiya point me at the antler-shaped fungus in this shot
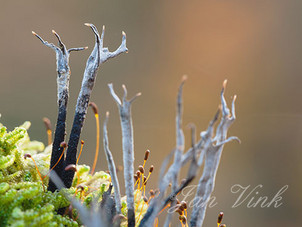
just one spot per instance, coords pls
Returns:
(212, 151)
(98, 56)
(128, 150)
(112, 168)
(208, 149)
(63, 76)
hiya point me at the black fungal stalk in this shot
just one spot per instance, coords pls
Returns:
(63, 76)
(98, 56)
(205, 153)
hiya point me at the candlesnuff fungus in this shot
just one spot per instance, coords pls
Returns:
(111, 167)
(20, 180)
(63, 76)
(180, 145)
(98, 56)
(211, 152)
(128, 148)
(94, 199)
(208, 149)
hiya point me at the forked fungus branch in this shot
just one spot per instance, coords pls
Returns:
(63, 77)
(128, 149)
(98, 56)
(207, 150)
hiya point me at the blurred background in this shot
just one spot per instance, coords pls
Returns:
(256, 45)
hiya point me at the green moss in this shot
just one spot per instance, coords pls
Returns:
(24, 200)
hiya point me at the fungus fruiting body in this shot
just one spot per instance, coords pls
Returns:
(48, 186)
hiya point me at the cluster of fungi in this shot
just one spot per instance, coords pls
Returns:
(135, 209)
